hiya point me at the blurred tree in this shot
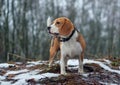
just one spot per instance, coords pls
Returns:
(6, 28)
(23, 26)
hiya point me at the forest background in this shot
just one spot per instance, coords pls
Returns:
(23, 30)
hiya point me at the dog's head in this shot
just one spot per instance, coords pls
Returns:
(60, 27)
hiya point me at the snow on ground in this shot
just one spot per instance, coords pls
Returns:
(5, 83)
(32, 75)
(5, 65)
(2, 78)
(32, 63)
(107, 61)
(16, 72)
(22, 75)
(102, 65)
(75, 62)
(105, 83)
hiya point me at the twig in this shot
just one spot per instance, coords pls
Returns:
(15, 55)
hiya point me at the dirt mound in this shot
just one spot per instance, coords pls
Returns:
(94, 75)
(96, 72)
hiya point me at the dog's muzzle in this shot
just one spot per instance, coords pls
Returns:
(55, 34)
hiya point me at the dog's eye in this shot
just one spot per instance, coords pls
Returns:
(57, 22)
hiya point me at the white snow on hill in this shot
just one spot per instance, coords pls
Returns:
(5, 65)
(24, 74)
(102, 64)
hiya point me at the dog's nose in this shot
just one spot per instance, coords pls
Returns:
(48, 28)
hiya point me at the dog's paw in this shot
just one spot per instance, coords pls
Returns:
(49, 65)
(63, 73)
(80, 71)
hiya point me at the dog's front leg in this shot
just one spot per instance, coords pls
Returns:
(62, 65)
(53, 52)
(53, 49)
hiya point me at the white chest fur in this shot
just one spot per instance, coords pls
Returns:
(71, 48)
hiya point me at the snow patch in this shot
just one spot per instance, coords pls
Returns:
(2, 77)
(85, 74)
(102, 65)
(49, 75)
(16, 72)
(105, 83)
(5, 65)
(33, 63)
(32, 75)
(20, 82)
(108, 61)
(5, 83)
(74, 62)
(28, 75)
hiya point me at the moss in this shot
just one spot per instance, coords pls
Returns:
(115, 63)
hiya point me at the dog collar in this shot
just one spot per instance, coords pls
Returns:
(68, 38)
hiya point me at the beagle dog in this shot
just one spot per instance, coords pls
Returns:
(68, 40)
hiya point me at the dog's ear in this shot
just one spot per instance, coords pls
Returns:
(67, 27)
(48, 21)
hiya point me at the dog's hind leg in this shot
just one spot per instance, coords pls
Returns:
(80, 68)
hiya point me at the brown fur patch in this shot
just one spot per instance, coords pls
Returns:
(65, 26)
